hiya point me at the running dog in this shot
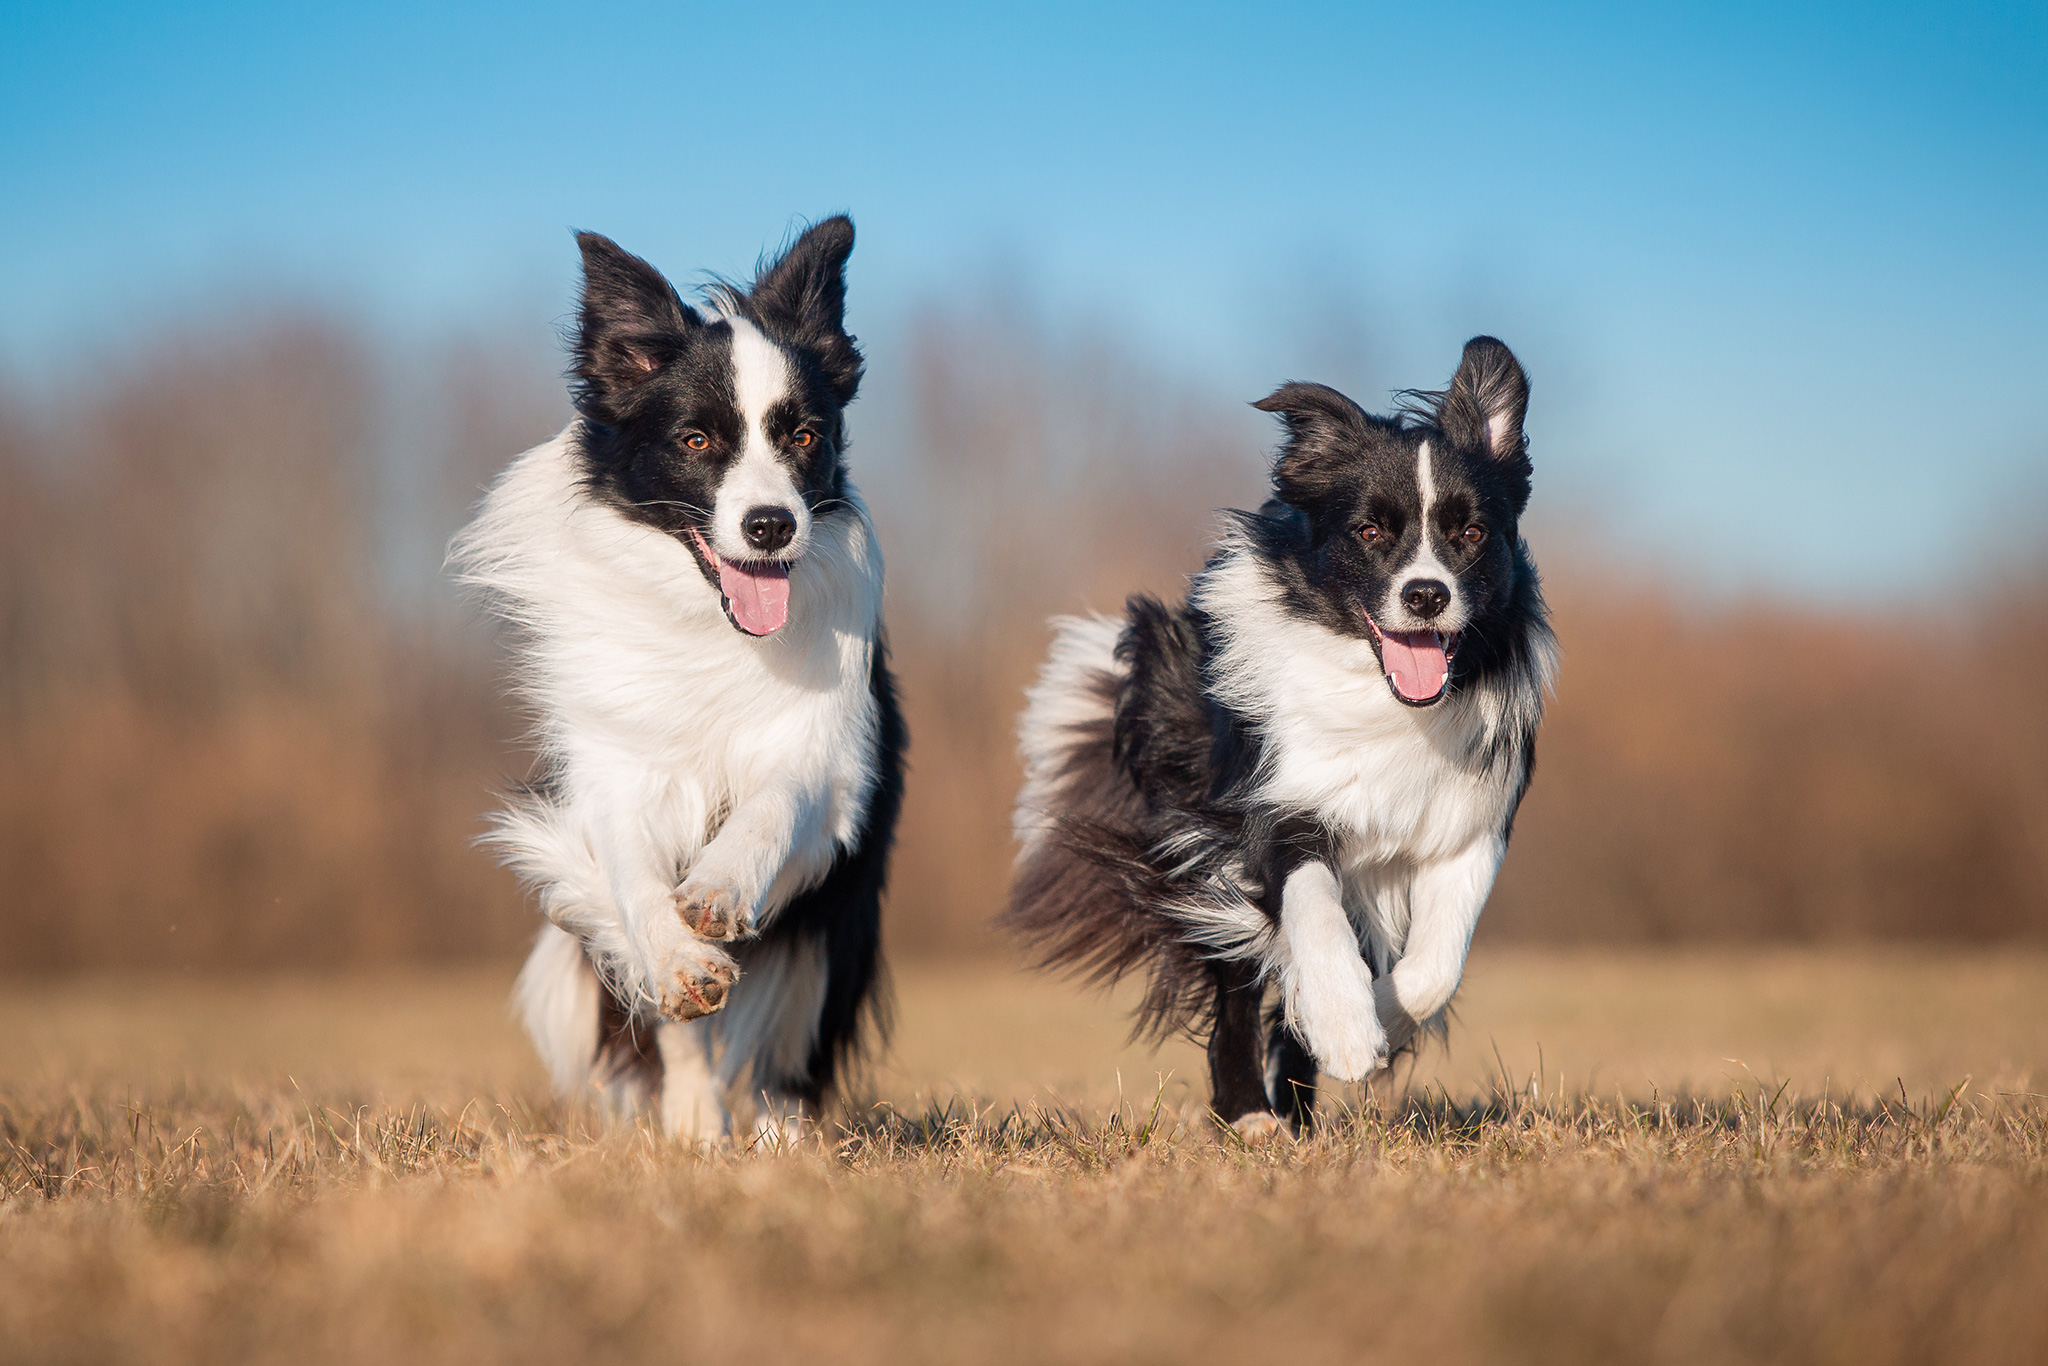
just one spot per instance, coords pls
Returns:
(1303, 776)
(696, 594)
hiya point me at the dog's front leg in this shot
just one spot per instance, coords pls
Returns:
(722, 896)
(681, 975)
(1444, 900)
(1326, 983)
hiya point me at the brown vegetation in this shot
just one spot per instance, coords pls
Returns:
(240, 725)
(365, 1171)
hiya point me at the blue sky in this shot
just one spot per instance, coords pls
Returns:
(1779, 274)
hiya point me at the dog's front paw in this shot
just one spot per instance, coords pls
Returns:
(714, 910)
(697, 984)
(1350, 1046)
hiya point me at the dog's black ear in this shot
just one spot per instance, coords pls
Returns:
(1488, 397)
(800, 300)
(1321, 425)
(631, 324)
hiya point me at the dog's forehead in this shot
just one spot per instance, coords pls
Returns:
(701, 369)
(1384, 463)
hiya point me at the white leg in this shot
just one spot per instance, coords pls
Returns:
(680, 974)
(1325, 982)
(782, 1121)
(731, 880)
(1445, 899)
(692, 1092)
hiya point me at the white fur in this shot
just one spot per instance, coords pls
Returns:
(1499, 433)
(557, 996)
(757, 478)
(1326, 985)
(692, 1092)
(685, 751)
(1418, 797)
(1063, 700)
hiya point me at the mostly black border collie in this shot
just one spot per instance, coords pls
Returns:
(1306, 774)
(698, 595)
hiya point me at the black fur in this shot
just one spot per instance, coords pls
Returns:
(845, 910)
(649, 371)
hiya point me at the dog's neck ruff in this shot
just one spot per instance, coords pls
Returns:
(1269, 663)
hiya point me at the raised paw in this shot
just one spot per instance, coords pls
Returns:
(698, 988)
(1342, 1030)
(713, 911)
(1351, 1057)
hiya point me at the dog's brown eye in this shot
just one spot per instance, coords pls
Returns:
(803, 438)
(1369, 533)
(697, 441)
(1473, 535)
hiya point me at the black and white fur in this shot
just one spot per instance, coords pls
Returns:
(1235, 793)
(710, 831)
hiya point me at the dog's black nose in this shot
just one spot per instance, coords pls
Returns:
(1426, 598)
(768, 529)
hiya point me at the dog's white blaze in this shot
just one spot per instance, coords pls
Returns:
(760, 373)
(1427, 564)
(760, 380)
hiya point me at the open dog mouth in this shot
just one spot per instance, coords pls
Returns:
(755, 596)
(1418, 663)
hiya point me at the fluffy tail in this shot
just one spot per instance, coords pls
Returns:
(1099, 889)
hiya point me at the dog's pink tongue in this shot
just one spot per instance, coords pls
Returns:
(1415, 661)
(757, 594)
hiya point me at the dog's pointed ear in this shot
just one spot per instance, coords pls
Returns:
(1488, 398)
(631, 324)
(1320, 423)
(800, 299)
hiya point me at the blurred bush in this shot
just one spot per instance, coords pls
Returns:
(243, 723)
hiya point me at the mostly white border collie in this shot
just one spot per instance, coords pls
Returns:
(698, 598)
(1306, 774)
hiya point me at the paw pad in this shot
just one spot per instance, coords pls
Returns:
(698, 991)
(713, 915)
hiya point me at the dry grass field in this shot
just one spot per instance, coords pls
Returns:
(1780, 1156)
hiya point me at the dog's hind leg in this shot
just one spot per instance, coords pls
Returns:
(1237, 1090)
(1290, 1071)
(771, 1032)
(692, 1089)
(628, 1065)
(585, 1036)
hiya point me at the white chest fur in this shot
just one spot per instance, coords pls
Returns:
(1401, 787)
(652, 707)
